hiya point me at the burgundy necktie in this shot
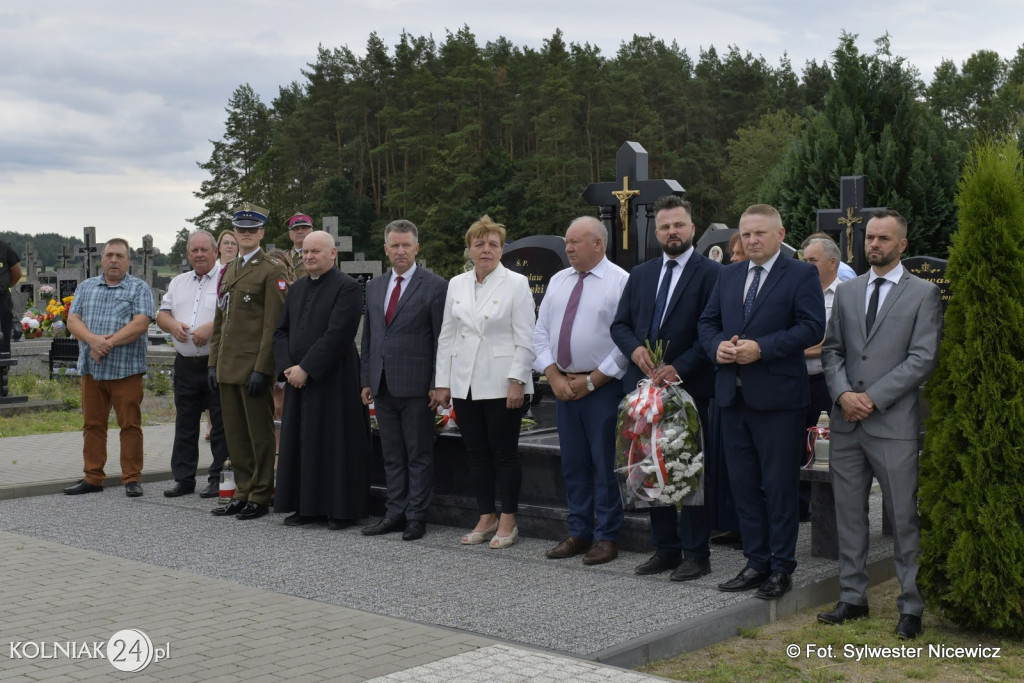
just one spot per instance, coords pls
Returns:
(393, 301)
(565, 333)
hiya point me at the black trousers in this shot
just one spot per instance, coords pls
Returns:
(192, 396)
(6, 321)
(490, 433)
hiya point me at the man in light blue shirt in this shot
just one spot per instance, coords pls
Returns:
(110, 316)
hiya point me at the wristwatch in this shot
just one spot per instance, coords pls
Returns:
(590, 385)
(517, 381)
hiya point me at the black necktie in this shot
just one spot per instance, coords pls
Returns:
(873, 303)
(748, 302)
(662, 300)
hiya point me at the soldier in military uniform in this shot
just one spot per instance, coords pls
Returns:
(299, 226)
(251, 297)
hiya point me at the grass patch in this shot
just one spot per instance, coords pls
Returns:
(826, 654)
(157, 405)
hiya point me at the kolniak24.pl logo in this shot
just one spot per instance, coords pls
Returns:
(128, 650)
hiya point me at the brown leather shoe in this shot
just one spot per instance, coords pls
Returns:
(603, 551)
(570, 547)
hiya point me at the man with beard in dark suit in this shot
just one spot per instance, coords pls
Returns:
(663, 300)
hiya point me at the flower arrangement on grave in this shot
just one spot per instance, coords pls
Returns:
(659, 448)
(50, 321)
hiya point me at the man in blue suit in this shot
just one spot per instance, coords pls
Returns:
(663, 299)
(761, 316)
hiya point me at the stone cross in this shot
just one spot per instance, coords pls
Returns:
(64, 255)
(625, 205)
(342, 243)
(30, 262)
(849, 221)
(88, 250)
(147, 259)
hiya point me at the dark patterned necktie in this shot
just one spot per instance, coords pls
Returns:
(748, 302)
(662, 300)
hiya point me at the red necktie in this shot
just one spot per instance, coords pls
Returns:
(393, 301)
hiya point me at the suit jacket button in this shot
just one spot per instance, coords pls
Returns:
(860, 384)
(863, 357)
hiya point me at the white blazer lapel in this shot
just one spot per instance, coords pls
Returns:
(486, 292)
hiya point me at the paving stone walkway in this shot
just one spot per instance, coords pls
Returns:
(259, 601)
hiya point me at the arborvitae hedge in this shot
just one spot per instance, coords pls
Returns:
(972, 468)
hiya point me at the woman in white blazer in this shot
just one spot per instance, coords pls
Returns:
(484, 359)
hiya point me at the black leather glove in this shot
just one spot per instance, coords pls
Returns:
(257, 383)
(211, 378)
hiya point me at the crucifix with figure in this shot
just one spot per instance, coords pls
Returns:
(849, 221)
(88, 250)
(625, 206)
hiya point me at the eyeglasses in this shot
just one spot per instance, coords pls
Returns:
(250, 231)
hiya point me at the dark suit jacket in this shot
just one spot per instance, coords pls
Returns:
(788, 316)
(679, 330)
(405, 350)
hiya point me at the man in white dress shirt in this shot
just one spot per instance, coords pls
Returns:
(823, 254)
(576, 353)
(186, 313)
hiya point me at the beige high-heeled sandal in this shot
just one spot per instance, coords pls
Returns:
(499, 542)
(478, 537)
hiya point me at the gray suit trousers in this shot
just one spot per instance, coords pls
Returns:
(407, 444)
(857, 456)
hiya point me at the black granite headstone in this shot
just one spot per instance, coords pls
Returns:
(362, 279)
(538, 257)
(67, 288)
(933, 270)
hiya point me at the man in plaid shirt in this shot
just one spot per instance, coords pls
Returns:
(110, 317)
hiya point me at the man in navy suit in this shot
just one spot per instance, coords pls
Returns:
(663, 300)
(404, 309)
(761, 316)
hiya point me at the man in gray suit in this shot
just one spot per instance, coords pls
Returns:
(404, 309)
(882, 343)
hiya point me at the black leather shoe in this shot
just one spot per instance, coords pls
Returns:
(211, 490)
(414, 530)
(689, 570)
(252, 511)
(908, 627)
(746, 580)
(335, 524)
(384, 526)
(82, 487)
(777, 585)
(296, 519)
(133, 489)
(180, 489)
(842, 612)
(656, 564)
(232, 508)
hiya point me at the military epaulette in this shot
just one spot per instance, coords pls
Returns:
(274, 261)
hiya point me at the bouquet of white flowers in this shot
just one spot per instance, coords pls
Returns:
(659, 449)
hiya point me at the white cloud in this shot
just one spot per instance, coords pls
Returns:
(108, 105)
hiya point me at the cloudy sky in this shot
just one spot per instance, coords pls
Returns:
(107, 105)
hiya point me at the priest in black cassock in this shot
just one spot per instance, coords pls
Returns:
(323, 463)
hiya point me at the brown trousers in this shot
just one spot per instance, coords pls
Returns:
(125, 395)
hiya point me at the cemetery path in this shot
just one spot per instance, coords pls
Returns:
(242, 600)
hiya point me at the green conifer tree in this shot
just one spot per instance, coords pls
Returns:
(972, 467)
